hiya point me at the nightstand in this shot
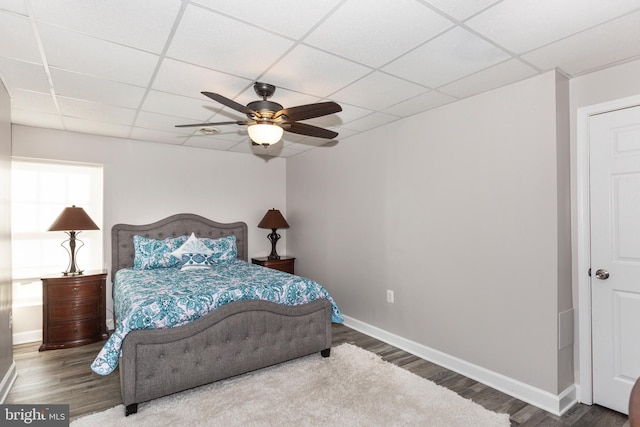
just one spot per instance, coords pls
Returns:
(73, 310)
(285, 263)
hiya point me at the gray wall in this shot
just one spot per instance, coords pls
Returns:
(7, 367)
(463, 212)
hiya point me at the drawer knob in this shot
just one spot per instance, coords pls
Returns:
(74, 290)
(75, 331)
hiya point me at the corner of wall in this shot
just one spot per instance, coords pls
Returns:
(7, 365)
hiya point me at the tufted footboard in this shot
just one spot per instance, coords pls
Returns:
(234, 339)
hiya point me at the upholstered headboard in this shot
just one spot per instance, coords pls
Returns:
(122, 251)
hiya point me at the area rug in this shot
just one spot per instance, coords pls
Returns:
(353, 387)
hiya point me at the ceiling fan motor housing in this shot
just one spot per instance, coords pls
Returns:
(266, 109)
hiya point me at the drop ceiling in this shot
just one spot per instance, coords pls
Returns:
(134, 69)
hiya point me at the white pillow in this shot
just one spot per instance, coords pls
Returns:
(193, 246)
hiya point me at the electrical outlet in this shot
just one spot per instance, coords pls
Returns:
(389, 296)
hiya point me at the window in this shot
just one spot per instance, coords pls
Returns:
(40, 191)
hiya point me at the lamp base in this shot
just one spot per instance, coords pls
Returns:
(74, 245)
(273, 238)
(73, 273)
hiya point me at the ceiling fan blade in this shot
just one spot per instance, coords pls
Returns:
(236, 122)
(310, 130)
(309, 111)
(229, 103)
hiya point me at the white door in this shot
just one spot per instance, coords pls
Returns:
(614, 140)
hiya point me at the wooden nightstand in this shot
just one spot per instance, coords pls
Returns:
(285, 263)
(73, 310)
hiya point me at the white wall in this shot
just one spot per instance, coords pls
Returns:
(145, 182)
(457, 210)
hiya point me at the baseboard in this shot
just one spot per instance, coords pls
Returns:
(28, 336)
(555, 404)
(7, 382)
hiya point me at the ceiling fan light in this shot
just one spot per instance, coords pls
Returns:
(265, 134)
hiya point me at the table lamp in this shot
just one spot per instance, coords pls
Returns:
(273, 219)
(71, 221)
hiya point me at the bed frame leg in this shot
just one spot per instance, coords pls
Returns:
(131, 409)
(326, 352)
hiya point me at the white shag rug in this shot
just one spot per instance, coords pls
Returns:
(353, 387)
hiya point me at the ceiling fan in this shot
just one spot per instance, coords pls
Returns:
(267, 119)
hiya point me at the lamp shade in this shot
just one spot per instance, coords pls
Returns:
(265, 134)
(73, 219)
(273, 219)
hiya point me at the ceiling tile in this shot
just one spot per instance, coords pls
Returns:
(157, 136)
(420, 103)
(227, 132)
(20, 74)
(211, 143)
(461, 10)
(189, 80)
(306, 14)
(95, 111)
(16, 6)
(82, 86)
(348, 114)
(162, 122)
(179, 106)
(17, 40)
(312, 71)
(76, 52)
(499, 75)
(371, 121)
(523, 25)
(36, 119)
(98, 128)
(384, 32)
(143, 24)
(448, 57)
(39, 102)
(612, 42)
(215, 41)
(378, 91)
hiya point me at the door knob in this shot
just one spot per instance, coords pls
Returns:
(602, 274)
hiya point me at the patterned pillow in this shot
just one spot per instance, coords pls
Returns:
(193, 253)
(152, 253)
(223, 249)
(192, 261)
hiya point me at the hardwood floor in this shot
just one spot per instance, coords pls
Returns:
(63, 376)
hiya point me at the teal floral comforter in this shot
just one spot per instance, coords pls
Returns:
(168, 297)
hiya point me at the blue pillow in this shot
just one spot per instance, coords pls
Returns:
(152, 253)
(223, 249)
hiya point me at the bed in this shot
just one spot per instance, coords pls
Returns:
(237, 337)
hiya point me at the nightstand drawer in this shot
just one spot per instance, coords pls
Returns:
(72, 291)
(71, 331)
(74, 310)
